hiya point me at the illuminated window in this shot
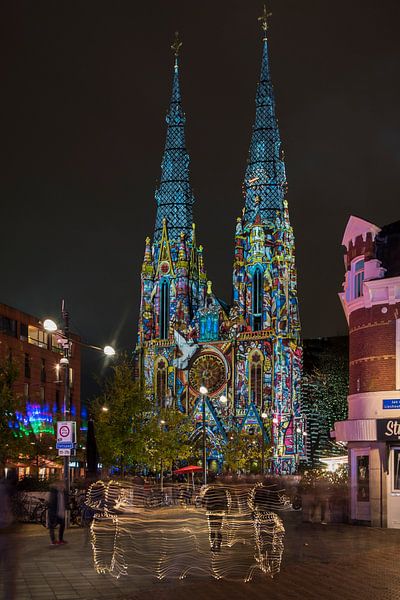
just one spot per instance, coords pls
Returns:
(37, 336)
(256, 378)
(26, 391)
(42, 394)
(358, 278)
(164, 309)
(161, 381)
(257, 299)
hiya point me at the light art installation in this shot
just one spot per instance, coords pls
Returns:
(249, 352)
(219, 531)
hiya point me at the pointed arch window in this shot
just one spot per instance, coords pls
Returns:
(257, 299)
(164, 309)
(256, 377)
(161, 382)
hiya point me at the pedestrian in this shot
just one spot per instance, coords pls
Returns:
(217, 501)
(8, 539)
(58, 504)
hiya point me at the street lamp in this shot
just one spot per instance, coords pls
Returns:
(162, 423)
(204, 391)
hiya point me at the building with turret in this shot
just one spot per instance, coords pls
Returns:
(247, 354)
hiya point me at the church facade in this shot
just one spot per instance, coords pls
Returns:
(247, 355)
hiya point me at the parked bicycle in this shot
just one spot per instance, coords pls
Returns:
(31, 509)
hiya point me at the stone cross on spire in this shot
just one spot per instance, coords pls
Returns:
(176, 45)
(264, 20)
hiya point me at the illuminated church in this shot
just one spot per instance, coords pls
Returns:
(247, 354)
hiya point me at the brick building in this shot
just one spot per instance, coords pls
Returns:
(36, 355)
(371, 302)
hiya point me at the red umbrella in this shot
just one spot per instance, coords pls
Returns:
(188, 469)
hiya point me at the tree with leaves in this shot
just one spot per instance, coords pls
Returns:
(243, 452)
(13, 440)
(167, 434)
(120, 413)
(324, 392)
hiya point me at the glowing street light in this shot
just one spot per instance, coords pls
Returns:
(109, 351)
(203, 390)
(104, 408)
(264, 415)
(223, 399)
(50, 325)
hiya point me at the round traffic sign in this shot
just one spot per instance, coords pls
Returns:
(64, 431)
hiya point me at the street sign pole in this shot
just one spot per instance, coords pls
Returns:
(66, 407)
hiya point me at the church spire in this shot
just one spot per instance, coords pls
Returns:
(174, 196)
(265, 174)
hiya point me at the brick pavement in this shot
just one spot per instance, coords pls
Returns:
(332, 562)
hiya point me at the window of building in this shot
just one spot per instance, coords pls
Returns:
(71, 377)
(42, 394)
(8, 326)
(209, 326)
(37, 336)
(358, 278)
(26, 391)
(23, 332)
(43, 370)
(396, 470)
(27, 365)
(257, 299)
(363, 478)
(161, 382)
(256, 378)
(164, 309)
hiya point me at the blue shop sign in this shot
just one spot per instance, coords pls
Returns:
(391, 403)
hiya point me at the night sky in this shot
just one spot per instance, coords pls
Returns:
(84, 91)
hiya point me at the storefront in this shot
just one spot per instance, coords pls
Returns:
(374, 459)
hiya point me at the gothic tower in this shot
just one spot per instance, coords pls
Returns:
(265, 307)
(173, 281)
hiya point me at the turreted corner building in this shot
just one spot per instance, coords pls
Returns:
(249, 352)
(371, 302)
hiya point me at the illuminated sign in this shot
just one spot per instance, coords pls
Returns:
(388, 430)
(391, 403)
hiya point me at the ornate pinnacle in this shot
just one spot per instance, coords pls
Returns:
(176, 44)
(264, 19)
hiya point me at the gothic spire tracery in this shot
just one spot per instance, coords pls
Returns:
(265, 173)
(174, 195)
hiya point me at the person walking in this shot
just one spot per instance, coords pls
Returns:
(58, 503)
(9, 545)
(217, 500)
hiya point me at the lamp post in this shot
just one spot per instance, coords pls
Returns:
(264, 416)
(162, 423)
(204, 391)
(51, 327)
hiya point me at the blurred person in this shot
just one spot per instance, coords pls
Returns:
(8, 538)
(57, 505)
(217, 501)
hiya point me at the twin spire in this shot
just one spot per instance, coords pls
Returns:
(174, 195)
(265, 178)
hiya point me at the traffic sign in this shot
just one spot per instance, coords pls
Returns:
(64, 452)
(66, 431)
(65, 445)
